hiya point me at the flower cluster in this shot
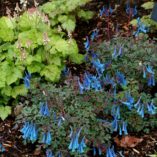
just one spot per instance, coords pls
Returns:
(131, 11)
(106, 11)
(47, 139)
(49, 153)
(120, 126)
(94, 34)
(117, 53)
(74, 143)
(110, 152)
(149, 73)
(141, 28)
(120, 78)
(29, 132)
(44, 110)
(27, 80)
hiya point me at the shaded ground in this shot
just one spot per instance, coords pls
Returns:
(9, 133)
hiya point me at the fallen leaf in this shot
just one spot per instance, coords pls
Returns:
(128, 141)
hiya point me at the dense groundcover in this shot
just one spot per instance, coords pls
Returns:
(78, 78)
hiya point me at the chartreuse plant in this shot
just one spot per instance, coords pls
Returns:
(30, 42)
(60, 112)
(65, 12)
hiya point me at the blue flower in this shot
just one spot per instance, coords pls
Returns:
(141, 28)
(47, 139)
(49, 153)
(140, 110)
(44, 110)
(121, 78)
(110, 152)
(87, 44)
(102, 11)
(99, 151)
(109, 81)
(86, 82)
(2, 149)
(115, 124)
(151, 108)
(74, 143)
(94, 151)
(29, 132)
(60, 120)
(59, 154)
(94, 34)
(129, 101)
(82, 145)
(124, 128)
(100, 67)
(115, 112)
(27, 80)
(81, 87)
(131, 11)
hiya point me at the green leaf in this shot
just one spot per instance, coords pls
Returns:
(148, 5)
(35, 67)
(6, 29)
(86, 15)
(51, 72)
(6, 91)
(19, 90)
(4, 112)
(77, 58)
(69, 25)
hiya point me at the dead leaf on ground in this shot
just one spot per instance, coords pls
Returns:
(128, 141)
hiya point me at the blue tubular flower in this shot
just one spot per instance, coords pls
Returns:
(27, 80)
(140, 110)
(48, 138)
(60, 120)
(100, 67)
(81, 88)
(87, 44)
(44, 110)
(82, 145)
(138, 102)
(121, 79)
(99, 151)
(141, 28)
(151, 80)
(110, 152)
(94, 151)
(34, 134)
(151, 108)
(120, 130)
(94, 34)
(2, 149)
(144, 72)
(102, 11)
(95, 83)
(116, 112)
(49, 153)
(124, 128)
(109, 81)
(59, 154)
(86, 82)
(115, 124)
(129, 101)
(29, 132)
(114, 54)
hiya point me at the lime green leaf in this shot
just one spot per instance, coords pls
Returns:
(19, 90)
(148, 5)
(77, 58)
(6, 29)
(4, 112)
(6, 91)
(35, 67)
(51, 72)
(69, 25)
(86, 15)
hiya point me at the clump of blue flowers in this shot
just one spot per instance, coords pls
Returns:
(74, 143)
(44, 110)
(47, 139)
(110, 152)
(149, 73)
(49, 153)
(29, 132)
(27, 80)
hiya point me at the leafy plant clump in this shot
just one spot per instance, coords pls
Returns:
(62, 112)
(31, 43)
